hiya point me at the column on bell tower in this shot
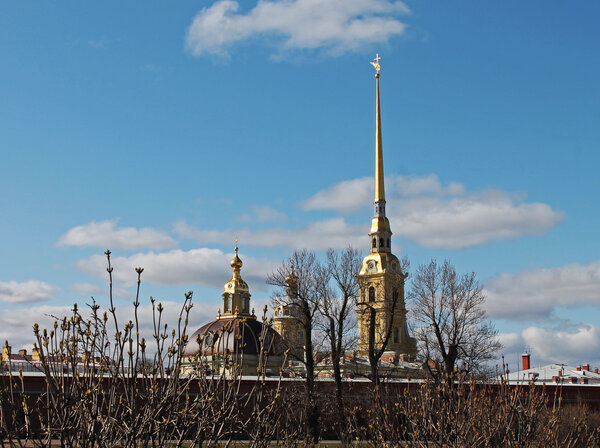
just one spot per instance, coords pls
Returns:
(381, 280)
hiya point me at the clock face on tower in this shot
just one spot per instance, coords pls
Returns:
(371, 266)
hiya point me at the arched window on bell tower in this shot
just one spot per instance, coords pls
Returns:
(371, 294)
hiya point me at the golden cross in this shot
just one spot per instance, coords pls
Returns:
(237, 240)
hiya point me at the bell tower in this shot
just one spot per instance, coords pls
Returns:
(381, 280)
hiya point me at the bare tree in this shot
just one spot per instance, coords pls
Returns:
(306, 296)
(338, 296)
(452, 329)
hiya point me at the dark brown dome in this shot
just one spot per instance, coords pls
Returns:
(234, 335)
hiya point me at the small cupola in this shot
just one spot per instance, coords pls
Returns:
(291, 282)
(236, 295)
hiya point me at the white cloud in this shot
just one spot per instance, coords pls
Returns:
(535, 294)
(511, 341)
(352, 195)
(263, 213)
(84, 291)
(26, 292)
(205, 267)
(106, 234)
(336, 26)
(403, 186)
(87, 289)
(345, 196)
(434, 215)
(420, 208)
(98, 43)
(335, 233)
(572, 346)
(470, 220)
(16, 326)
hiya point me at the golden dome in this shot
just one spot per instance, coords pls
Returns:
(234, 336)
(236, 262)
(291, 279)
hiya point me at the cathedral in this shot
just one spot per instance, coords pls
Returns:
(238, 338)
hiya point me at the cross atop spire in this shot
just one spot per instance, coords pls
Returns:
(376, 64)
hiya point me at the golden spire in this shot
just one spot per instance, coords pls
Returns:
(380, 226)
(379, 186)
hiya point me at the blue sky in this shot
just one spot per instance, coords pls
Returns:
(164, 131)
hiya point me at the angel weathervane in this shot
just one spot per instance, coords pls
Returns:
(375, 63)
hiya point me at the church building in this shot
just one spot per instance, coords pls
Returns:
(238, 340)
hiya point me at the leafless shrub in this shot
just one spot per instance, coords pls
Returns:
(462, 412)
(105, 386)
